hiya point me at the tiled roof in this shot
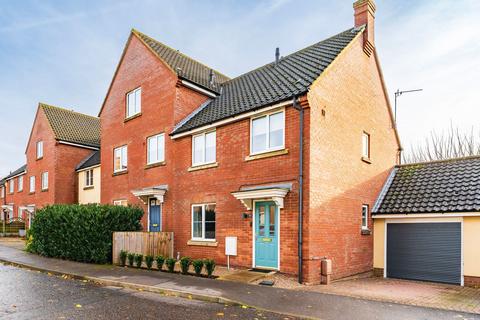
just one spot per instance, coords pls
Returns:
(433, 187)
(184, 66)
(272, 83)
(16, 172)
(74, 127)
(92, 160)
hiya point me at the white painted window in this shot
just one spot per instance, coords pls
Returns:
(365, 217)
(203, 221)
(120, 159)
(365, 145)
(45, 180)
(267, 133)
(204, 148)
(39, 149)
(121, 202)
(20, 183)
(134, 102)
(89, 178)
(11, 186)
(156, 149)
(32, 184)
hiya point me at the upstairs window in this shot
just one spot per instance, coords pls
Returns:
(20, 183)
(204, 148)
(134, 102)
(203, 222)
(365, 217)
(11, 186)
(39, 149)
(89, 178)
(267, 133)
(120, 159)
(32, 184)
(365, 145)
(45, 180)
(156, 149)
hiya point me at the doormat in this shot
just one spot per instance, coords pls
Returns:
(260, 270)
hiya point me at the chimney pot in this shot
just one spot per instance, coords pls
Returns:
(277, 55)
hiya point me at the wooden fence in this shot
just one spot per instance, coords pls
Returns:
(146, 243)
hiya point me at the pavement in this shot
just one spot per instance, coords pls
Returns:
(299, 303)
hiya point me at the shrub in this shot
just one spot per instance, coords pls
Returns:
(131, 259)
(80, 232)
(160, 260)
(170, 262)
(210, 266)
(138, 260)
(185, 263)
(197, 266)
(123, 257)
(149, 261)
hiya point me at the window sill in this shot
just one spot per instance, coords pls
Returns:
(31, 192)
(44, 190)
(119, 173)
(366, 232)
(367, 160)
(132, 117)
(266, 154)
(88, 188)
(154, 165)
(204, 243)
(39, 158)
(203, 166)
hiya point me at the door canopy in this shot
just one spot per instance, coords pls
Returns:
(157, 192)
(275, 193)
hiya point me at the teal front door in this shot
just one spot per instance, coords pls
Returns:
(266, 235)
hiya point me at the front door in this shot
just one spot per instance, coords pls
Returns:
(266, 235)
(155, 215)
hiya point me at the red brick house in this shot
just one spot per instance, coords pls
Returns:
(209, 157)
(12, 193)
(60, 139)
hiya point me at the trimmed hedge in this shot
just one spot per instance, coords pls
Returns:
(80, 232)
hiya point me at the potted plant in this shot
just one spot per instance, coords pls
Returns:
(209, 266)
(170, 262)
(160, 260)
(138, 260)
(131, 258)
(123, 258)
(185, 263)
(198, 266)
(149, 261)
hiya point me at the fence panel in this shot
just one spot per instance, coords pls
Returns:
(146, 243)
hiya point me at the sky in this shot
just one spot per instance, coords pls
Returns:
(65, 52)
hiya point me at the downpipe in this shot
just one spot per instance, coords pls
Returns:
(299, 108)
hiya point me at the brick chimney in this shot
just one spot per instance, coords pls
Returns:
(365, 15)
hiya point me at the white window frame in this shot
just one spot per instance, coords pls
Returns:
(159, 159)
(204, 144)
(120, 202)
(203, 205)
(32, 184)
(11, 186)
(20, 183)
(365, 216)
(115, 170)
(89, 178)
(39, 150)
(44, 180)
(267, 140)
(137, 109)
(366, 145)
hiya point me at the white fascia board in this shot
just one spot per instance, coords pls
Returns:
(425, 215)
(88, 168)
(197, 88)
(77, 145)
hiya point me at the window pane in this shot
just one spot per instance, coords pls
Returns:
(124, 158)
(261, 221)
(161, 148)
(117, 159)
(198, 149)
(210, 146)
(365, 216)
(138, 100)
(210, 221)
(259, 134)
(276, 130)
(272, 220)
(365, 145)
(130, 104)
(197, 222)
(152, 150)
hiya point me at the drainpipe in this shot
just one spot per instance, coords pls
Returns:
(299, 108)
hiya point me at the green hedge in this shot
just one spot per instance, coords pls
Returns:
(80, 232)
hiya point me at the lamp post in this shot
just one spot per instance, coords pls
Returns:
(398, 93)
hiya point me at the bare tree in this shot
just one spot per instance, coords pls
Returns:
(453, 143)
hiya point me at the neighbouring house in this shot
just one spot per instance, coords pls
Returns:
(12, 192)
(209, 157)
(89, 175)
(427, 222)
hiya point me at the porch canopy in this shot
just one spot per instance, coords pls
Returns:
(273, 192)
(157, 192)
(7, 207)
(30, 208)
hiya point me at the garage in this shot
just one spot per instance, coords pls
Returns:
(424, 251)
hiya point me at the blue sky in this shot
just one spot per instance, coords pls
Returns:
(65, 52)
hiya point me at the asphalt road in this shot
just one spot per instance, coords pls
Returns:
(26, 294)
